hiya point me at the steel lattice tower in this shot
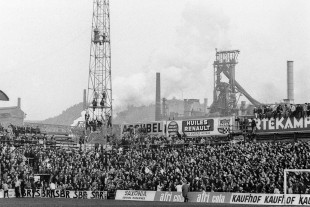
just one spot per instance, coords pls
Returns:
(225, 93)
(99, 94)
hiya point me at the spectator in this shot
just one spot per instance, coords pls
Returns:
(185, 189)
(253, 125)
(5, 189)
(52, 187)
(255, 112)
(17, 188)
(33, 187)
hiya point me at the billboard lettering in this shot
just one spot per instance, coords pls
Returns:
(149, 128)
(219, 126)
(173, 128)
(209, 197)
(269, 199)
(198, 127)
(61, 194)
(135, 195)
(169, 196)
(282, 124)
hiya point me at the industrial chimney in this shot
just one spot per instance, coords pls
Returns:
(84, 100)
(157, 101)
(19, 103)
(290, 81)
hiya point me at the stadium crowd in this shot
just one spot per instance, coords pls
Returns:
(282, 110)
(251, 167)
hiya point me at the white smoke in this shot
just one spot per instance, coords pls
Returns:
(80, 119)
(185, 66)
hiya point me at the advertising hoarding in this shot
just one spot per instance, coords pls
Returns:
(61, 194)
(154, 128)
(283, 124)
(219, 126)
(135, 195)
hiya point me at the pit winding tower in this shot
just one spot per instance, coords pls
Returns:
(225, 94)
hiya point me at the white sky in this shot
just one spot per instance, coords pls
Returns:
(45, 44)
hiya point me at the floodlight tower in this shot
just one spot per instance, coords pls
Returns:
(99, 94)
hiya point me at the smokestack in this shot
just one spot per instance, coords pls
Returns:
(157, 101)
(205, 104)
(290, 81)
(84, 100)
(164, 108)
(19, 103)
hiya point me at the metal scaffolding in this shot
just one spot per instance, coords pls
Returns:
(99, 93)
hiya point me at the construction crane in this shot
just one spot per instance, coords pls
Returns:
(99, 93)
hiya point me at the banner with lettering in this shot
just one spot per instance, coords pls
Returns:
(220, 126)
(174, 128)
(283, 124)
(209, 197)
(154, 128)
(135, 195)
(270, 199)
(167, 196)
(61, 194)
(199, 127)
(215, 197)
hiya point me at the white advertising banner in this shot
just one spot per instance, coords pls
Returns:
(135, 195)
(154, 128)
(270, 199)
(61, 194)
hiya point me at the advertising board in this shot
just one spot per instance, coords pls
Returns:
(155, 128)
(199, 127)
(61, 194)
(209, 197)
(270, 199)
(215, 197)
(283, 124)
(167, 196)
(135, 195)
(219, 126)
(174, 128)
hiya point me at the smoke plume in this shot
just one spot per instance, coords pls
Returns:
(185, 65)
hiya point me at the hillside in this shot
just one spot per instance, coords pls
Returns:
(66, 117)
(132, 114)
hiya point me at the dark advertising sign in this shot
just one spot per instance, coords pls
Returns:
(200, 127)
(218, 126)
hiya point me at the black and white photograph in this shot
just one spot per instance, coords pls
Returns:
(154, 103)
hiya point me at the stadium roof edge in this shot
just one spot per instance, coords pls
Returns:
(3, 96)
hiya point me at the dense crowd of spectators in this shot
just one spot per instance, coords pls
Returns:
(250, 167)
(282, 110)
(20, 130)
(254, 168)
(14, 167)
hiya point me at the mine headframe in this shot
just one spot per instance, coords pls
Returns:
(225, 94)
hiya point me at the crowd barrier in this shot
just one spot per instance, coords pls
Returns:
(215, 197)
(39, 193)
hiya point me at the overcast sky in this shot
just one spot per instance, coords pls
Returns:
(45, 45)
